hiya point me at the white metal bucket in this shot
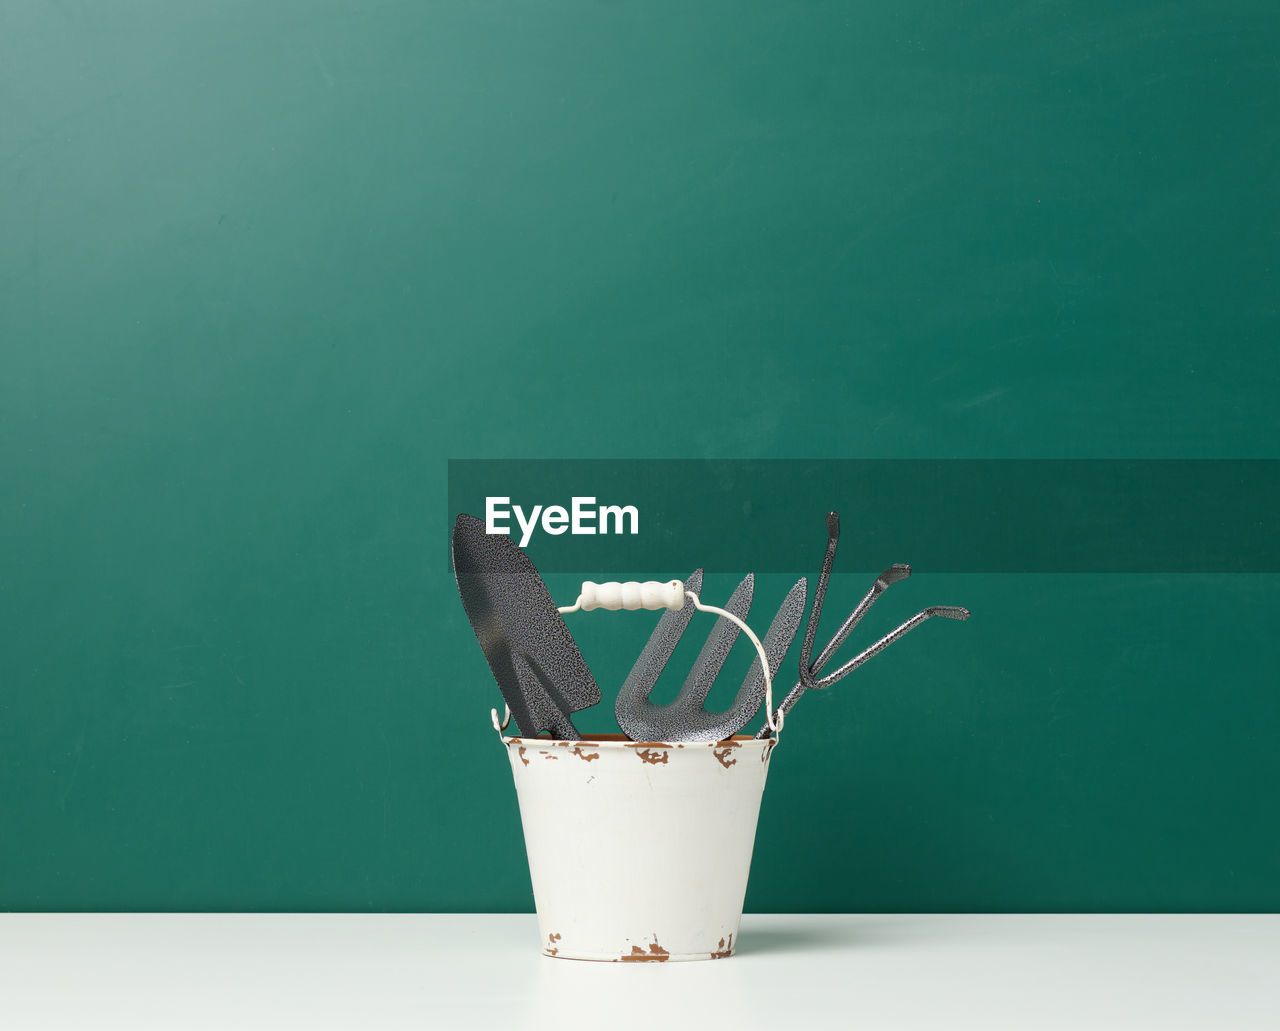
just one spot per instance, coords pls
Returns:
(639, 851)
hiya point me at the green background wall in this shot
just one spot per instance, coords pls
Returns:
(266, 266)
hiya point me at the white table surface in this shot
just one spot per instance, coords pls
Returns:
(473, 971)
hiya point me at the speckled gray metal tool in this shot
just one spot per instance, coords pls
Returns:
(809, 669)
(686, 719)
(534, 658)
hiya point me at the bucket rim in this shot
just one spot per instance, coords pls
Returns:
(618, 742)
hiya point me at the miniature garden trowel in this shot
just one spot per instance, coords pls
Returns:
(534, 658)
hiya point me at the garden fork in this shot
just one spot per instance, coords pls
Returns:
(686, 719)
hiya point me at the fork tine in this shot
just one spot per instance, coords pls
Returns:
(782, 632)
(657, 652)
(710, 661)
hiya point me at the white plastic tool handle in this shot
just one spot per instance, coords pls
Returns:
(632, 595)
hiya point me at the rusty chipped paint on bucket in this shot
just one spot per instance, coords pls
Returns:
(639, 851)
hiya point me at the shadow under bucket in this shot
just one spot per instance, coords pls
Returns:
(639, 851)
